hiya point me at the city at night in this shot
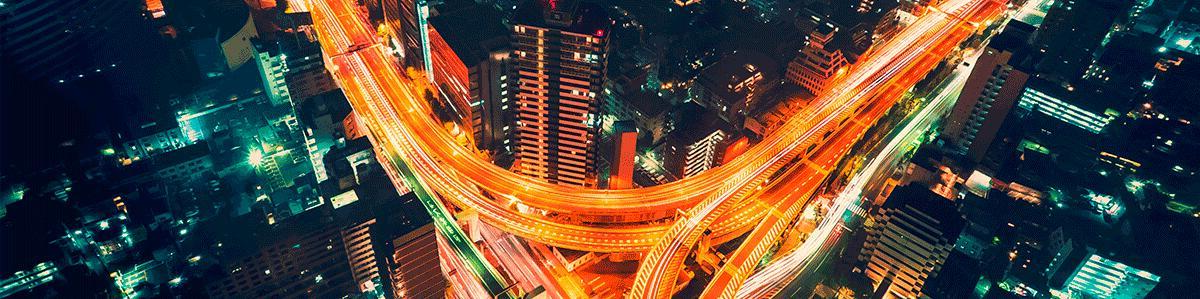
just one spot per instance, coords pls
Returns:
(561, 149)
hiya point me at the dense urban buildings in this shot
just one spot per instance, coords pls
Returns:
(912, 236)
(599, 149)
(991, 91)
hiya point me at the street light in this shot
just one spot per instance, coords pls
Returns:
(256, 157)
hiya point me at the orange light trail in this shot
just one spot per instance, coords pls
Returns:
(399, 120)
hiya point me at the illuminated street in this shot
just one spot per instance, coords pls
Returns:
(600, 149)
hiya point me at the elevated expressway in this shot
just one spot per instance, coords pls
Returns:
(396, 109)
(738, 266)
(878, 81)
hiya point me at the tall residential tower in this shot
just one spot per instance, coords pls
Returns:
(992, 89)
(559, 54)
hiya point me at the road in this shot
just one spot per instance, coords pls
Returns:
(785, 269)
(396, 108)
(571, 217)
(887, 72)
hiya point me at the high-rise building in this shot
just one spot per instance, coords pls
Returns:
(58, 40)
(735, 83)
(272, 67)
(342, 248)
(992, 89)
(403, 19)
(314, 262)
(1183, 33)
(558, 63)
(218, 33)
(70, 43)
(1071, 33)
(819, 62)
(625, 136)
(697, 139)
(416, 271)
(470, 56)
(1099, 277)
(913, 233)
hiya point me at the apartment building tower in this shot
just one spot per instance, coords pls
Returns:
(992, 89)
(913, 234)
(819, 62)
(558, 64)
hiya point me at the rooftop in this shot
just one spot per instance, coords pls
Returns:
(720, 77)
(946, 216)
(204, 18)
(567, 15)
(694, 122)
(472, 31)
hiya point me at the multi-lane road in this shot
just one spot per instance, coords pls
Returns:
(888, 71)
(401, 121)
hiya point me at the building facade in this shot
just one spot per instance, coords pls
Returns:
(914, 232)
(819, 62)
(558, 62)
(735, 83)
(416, 271)
(470, 60)
(698, 138)
(991, 91)
(625, 136)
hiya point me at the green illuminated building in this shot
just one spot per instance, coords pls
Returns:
(1034, 100)
(1099, 277)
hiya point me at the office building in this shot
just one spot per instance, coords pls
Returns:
(55, 40)
(625, 136)
(22, 281)
(404, 25)
(632, 92)
(218, 33)
(313, 263)
(1184, 31)
(1053, 101)
(306, 75)
(913, 234)
(734, 83)
(558, 62)
(334, 250)
(648, 111)
(993, 87)
(292, 69)
(151, 138)
(819, 62)
(272, 67)
(470, 56)
(1126, 62)
(697, 139)
(416, 269)
(1072, 32)
(90, 49)
(1100, 277)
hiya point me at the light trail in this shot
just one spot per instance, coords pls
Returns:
(766, 282)
(420, 153)
(662, 264)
